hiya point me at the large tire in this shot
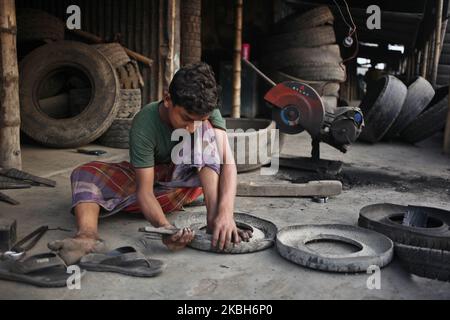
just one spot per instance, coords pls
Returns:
(314, 37)
(381, 107)
(420, 94)
(431, 121)
(319, 72)
(387, 219)
(424, 262)
(313, 18)
(96, 118)
(114, 52)
(36, 25)
(118, 135)
(130, 103)
(303, 56)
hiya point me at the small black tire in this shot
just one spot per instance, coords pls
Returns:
(323, 72)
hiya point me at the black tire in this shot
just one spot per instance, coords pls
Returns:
(319, 72)
(130, 76)
(303, 56)
(445, 59)
(36, 25)
(420, 94)
(313, 18)
(442, 80)
(431, 121)
(114, 52)
(130, 103)
(78, 100)
(96, 118)
(381, 107)
(387, 219)
(425, 262)
(118, 135)
(314, 37)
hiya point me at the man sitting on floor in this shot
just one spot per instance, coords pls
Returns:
(155, 182)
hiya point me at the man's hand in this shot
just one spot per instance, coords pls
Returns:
(180, 240)
(225, 232)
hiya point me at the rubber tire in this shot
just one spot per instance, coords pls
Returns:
(377, 217)
(118, 135)
(130, 103)
(431, 121)
(191, 25)
(303, 56)
(316, 17)
(114, 52)
(314, 37)
(36, 25)
(424, 262)
(420, 94)
(322, 72)
(381, 107)
(129, 76)
(98, 115)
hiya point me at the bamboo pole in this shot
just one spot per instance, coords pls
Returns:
(437, 42)
(237, 63)
(10, 153)
(424, 67)
(447, 133)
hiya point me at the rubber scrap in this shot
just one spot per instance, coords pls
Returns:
(5, 198)
(24, 176)
(311, 189)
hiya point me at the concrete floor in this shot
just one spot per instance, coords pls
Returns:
(393, 172)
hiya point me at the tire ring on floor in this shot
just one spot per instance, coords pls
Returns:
(376, 249)
(381, 107)
(264, 236)
(420, 94)
(431, 121)
(96, 118)
(424, 262)
(387, 219)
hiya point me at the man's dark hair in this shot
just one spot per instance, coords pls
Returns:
(194, 88)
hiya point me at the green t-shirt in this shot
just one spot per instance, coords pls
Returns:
(150, 137)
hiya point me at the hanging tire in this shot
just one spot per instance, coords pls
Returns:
(36, 26)
(424, 262)
(420, 94)
(71, 58)
(313, 37)
(118, 135)
(381, 107)
(313, 18)
(303, 56)
(130, 103)
(431, 121)
(114, 52)
(388, 218)
(322, 72)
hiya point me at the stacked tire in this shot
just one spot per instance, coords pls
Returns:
(303, 48)
(72, 93)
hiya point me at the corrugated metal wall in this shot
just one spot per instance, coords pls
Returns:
(135, 20)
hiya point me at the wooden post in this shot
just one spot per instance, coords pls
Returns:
(447, 134)
(424, 66)
(10, 154)
(237, 64)
(437, 42)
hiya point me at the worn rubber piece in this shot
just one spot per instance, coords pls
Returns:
(36, 26)
(431, 121)
(96, 118)
(130, 76)
(311, 57)
(191, 48)
(125, 261)
(323, 88)
(313, 37)
(375, 249)
(420, 94)
(114, 52)
(130, 103)
(388, 218)
(264, 233)
(381, 107)
(323, 72)
(313, 18)
(424, 262)
(261, 130)
(118, 135)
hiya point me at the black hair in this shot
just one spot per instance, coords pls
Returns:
(194, 88)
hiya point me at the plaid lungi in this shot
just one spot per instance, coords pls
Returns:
(113, 185)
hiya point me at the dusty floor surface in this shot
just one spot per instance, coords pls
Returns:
(393, 172)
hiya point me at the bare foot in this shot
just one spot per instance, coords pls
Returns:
(72, 250)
